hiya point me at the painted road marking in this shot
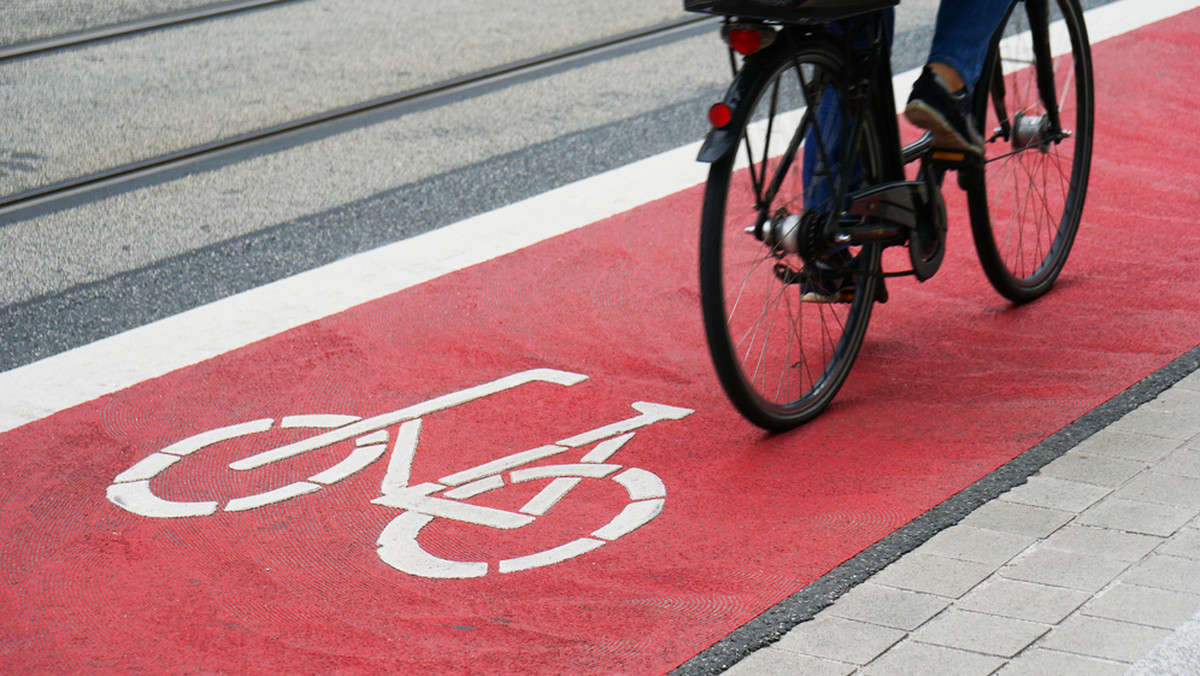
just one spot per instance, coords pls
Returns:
(131, 489)
(412, 412)
(398, 544)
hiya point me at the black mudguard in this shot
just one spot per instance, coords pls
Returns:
(721, 141)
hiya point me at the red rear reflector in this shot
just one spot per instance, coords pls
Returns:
(720, 115)
(745, 40)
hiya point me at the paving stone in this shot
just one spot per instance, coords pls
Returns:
(1103, 638)
(1166, 572)
(1135, 516)
(933, 575)
(1161, 421)
(1143, 605)
(967, 543)
(1009, 517)
(1138, 447)
(1023, 600)
(838, 639)
(1093, 469)
(1177, 401)
(1182, 462)
(1041, 662)
(888, 606)
(771, 661)
(980, 632)
(1166, 489)
(1111, 543)
(1190, 383)
(911, 658)
(1179, 653)
(1185, 543)
(1070, 496)
(1072, 570)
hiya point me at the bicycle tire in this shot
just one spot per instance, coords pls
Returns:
(780, 360)
(1027, 205)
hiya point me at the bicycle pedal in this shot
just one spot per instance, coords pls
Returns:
(956, 159)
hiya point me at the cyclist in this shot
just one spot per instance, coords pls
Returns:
(939, 103)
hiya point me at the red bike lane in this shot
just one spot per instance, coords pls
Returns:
(413, 539)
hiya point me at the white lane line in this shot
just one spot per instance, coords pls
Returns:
(37, 390)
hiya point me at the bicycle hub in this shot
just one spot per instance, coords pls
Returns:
(783, 233)
(1030, 131)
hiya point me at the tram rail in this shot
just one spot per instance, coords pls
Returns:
(73, 191)
(132, 27)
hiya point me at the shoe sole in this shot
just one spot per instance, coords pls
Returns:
(944, 135)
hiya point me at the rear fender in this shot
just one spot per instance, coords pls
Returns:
(721, 141)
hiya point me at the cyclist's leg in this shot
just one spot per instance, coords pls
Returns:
(816, 189)
(961, 35)
(941, 101)
(821, 160)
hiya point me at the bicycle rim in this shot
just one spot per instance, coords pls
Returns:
(781, 360)
(1026, 216)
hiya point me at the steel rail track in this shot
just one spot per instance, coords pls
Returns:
(135, 26)
(462, 86)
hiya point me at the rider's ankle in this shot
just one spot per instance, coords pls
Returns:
(949, 75)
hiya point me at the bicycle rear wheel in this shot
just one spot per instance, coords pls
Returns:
(1026, 209)
(780, 359)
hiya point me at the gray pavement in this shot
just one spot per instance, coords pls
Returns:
(205, 208)
(77, 111)
(1090, 567)
(27, 21)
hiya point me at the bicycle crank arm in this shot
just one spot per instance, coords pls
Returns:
(894, 209)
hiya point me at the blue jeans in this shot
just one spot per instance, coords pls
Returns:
(962, 33)
(822, 153)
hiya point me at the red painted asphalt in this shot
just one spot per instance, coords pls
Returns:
(952, 383)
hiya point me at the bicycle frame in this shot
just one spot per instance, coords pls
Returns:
(892, 212)
(896, 211)
(791, 240)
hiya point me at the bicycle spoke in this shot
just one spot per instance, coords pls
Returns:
(772, 111)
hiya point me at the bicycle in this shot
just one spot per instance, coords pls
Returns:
(821, 186)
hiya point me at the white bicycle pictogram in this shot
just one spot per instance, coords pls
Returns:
(424, 502)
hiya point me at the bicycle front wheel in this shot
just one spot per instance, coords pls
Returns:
(1026, 210)
(780, 358)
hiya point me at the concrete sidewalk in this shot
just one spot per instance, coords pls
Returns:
(1090, 567)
